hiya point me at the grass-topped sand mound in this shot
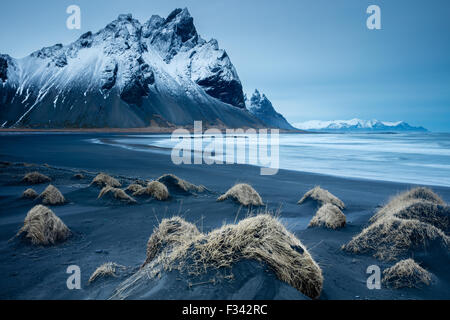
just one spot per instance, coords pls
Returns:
(406, 274)
(420, 193)
(169, 234)
(391, 237)
(52, 196)
(35, 178)
(43, 227)
(328, 216)
(134, 187)
(112, 193)
(322, 196)
(419, 203)
(78, 176)
(176, 184)
(108, 269)
(178, 245)
(30, 194)
(103, 180)
(154, 189)
(244, 194)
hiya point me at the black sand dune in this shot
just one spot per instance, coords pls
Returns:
(117, 232)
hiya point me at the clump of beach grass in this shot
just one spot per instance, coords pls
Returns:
(244, 194)
(43, 227)
(328, 216)
(134, 187)
(103, 180)
(154, 189)
(78, 176)
(419, 203)
(52, 196)
(421, 193)
(169, 234)
(177, 184)
(322, 196)
(178, 245)
(35, 178)
(115, 193)
(30, 194)
(141, 182)
(406, 274)
(105, 270)
(391, 237)
(410, 220)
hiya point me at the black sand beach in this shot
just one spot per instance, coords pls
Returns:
(105, 231)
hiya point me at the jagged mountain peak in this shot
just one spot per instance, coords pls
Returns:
(171, 35)
(261, 107)
(260, 101)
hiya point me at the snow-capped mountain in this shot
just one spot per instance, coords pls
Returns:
(158, 73)
(357, 125)
(262, 108)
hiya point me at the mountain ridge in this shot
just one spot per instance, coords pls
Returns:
(357, 125)
(126, 75)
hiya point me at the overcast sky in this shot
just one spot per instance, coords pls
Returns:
(314, 59)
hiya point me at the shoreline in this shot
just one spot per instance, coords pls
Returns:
(137, 130)
(105, 231)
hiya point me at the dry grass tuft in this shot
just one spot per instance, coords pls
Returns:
(103, 180)
(30, 194)
(43, 227)
(419, 203)
(132, 188)
(172, 181)
(105, 270)
(154, 189)
(115, 193)
(170, 233)
(141, 182)
(178, 245)
(410, 220)
(390, 237)
(244, 194)
(35, 178)
(323, 197)
(328, 216)
(78, 176)
(406, 274)
(421, 193)
(52, 196)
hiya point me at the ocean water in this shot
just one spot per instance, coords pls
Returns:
(418, 158)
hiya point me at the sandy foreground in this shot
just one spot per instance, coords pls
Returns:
(105, 231)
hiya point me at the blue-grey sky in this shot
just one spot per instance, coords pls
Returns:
(314, 59)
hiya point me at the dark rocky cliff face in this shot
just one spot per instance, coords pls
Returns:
(3, 68)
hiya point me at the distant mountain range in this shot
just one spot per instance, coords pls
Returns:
(357, 125)
(160, 73)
